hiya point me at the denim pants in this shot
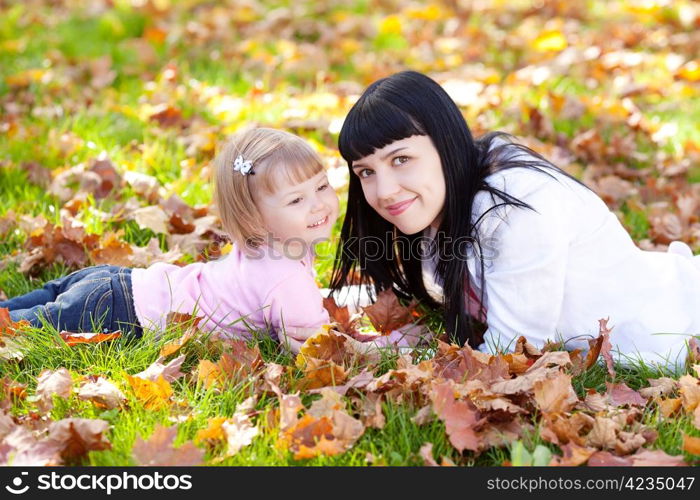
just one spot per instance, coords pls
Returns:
(94, 299)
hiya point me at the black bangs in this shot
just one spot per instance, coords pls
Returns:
(371, 124)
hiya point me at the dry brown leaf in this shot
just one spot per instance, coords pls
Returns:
(460, 416)
(76, 436)
(387, 313)
(102, 393)
(555, 394)
(159, 450)
(50, 382)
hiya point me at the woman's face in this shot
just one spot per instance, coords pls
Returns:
(404, 183)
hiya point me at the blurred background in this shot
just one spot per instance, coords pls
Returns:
(111, 111)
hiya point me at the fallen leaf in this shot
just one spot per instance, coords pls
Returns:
(620, 394)
(88, 338)
(153, 394)
(170, 371)
(77, 436)
(460, 416)
(387, 314)
(103, 393)
(691, 444)
(50, 382)
(159, 450)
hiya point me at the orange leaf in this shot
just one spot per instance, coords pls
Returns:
(208, 373)
(175, 345)
(387, 314)
(7, 326)
(691, 444)
(88, 338)
(153, 395)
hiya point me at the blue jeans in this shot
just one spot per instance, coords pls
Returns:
(94, 299)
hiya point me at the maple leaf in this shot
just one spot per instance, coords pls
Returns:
(573, 455)
(50, 382)
(656, 458)
(192, 330)
(170, 371)
(290, 405)
(324, 345)
(77, 436)
(607, 459)
(620, 394)
(555, 395)
(341, 316)
(325, 429)
(212, 433)
(153, 394)
(88, 338)
(102, 393)
(426, 453)
(659, 387)
(208, 373)
(159, 451)
(691, 444)
(242, 359)
(321, 373)
(460, 416)
(387, 314)
(239, 432)
(7, 326)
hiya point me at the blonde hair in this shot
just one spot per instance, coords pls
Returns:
(275, 155)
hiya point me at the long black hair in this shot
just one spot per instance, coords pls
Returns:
(394, 108)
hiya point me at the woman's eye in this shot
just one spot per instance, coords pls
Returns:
(400, 160)
(295, 201)
(323, 187)
(362, 175)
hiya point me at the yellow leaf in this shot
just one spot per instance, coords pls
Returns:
(690, 71)
(430, 12)
(390, 25)
(550, 41)
(154, 395)
(208, 373)
(213, 432)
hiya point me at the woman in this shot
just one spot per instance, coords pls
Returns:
(513, 240)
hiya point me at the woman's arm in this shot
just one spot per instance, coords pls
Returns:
(525, 276)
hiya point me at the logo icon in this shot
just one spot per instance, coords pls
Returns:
(17, 482)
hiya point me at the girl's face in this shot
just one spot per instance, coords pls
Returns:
(298, 216)
(404, 183)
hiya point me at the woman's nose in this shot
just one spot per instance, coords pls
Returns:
(387, 187)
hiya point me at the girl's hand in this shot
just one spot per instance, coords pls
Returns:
(293, 338)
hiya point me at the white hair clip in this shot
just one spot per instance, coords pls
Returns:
(243, 166)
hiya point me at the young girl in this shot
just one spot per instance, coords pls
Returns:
(274, 200)
(508, 238)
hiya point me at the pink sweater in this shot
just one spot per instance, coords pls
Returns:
(268, 290)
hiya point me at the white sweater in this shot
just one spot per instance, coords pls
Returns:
(552, 274)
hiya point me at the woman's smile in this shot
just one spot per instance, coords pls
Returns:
(401, 207)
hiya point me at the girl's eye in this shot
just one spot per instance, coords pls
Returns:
(400, 160)
(361, 174)
(295, 201)
(323, 187)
